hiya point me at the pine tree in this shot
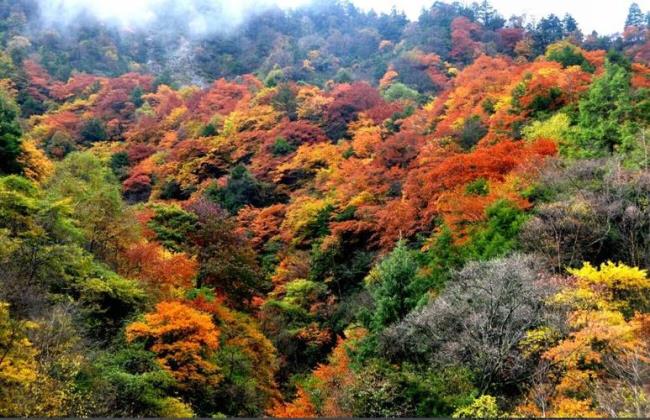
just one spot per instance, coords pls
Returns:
(570, 24)
(547, 31)
(635, 16)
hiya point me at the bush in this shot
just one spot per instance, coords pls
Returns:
(385, 390)
(482, 407)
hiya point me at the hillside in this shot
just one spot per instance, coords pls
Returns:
(324, 212)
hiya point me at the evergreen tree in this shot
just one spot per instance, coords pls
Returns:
(93, 130)
(635, 16)
(391, 26)
(570, 24)
(242, 189)
(389, 284)
(488, 16)
(10, 133)
(571, 28)
(136, 97)
(547, 31)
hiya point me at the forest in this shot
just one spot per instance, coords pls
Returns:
(325, 212)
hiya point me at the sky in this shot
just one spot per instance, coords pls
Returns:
(605, 16)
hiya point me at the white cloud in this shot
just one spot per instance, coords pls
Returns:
(201, 15)
(605, 16)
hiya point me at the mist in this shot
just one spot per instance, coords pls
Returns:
(196, 17)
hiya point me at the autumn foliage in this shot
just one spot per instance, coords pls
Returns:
(325, 212)
(183, 340)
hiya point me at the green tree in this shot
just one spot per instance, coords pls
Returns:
(242, 189)
(605, 121)
(133, 384)
(390, 285)
(282, 147)
(10, 133)
(399, 91)
(274, 77)
(343, 75)
(107, 301)
(120, 165)
(7, 67)
(136, 96)
(499, 234)
(285, 101)
(93, 130)
(548, 30)
(37, 245)
(42, 261)
(442, 257)
(557, 127)
(568, 55)
(406, 390)
(172, 226)
(107, 225)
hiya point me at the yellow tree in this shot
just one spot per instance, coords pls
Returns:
(183, 338)
(18, 366)
(608, 330)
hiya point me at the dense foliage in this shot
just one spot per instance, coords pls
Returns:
(325, 212)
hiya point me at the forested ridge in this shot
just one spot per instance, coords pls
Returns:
(325, 212)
